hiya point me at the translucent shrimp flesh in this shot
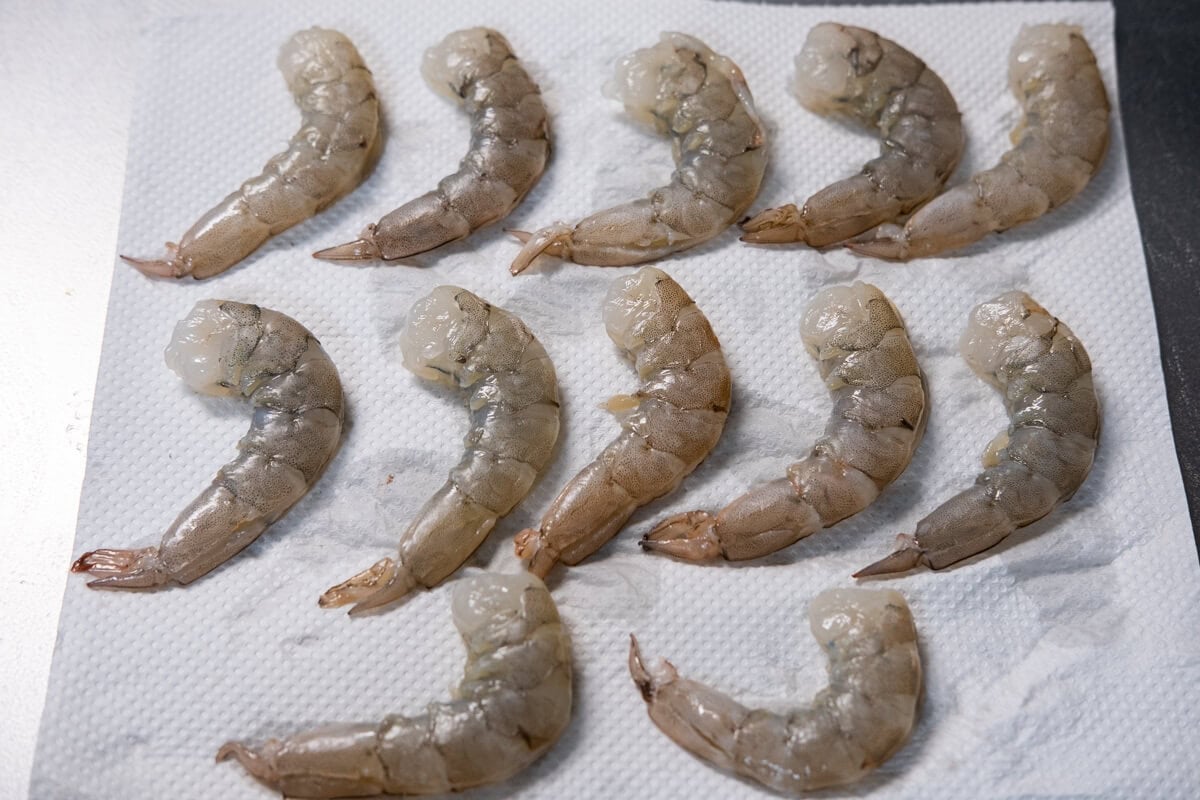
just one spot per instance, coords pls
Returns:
(510, 142)
(227, 348)
(857, 74)
(668, 425)
(1059, 146)
(865, 357)
(329, 156)
(852, 726)
(1044, 456)
(512, 705)
(700, 98)
(455, 338)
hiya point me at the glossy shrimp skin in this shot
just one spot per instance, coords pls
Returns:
(327, 158)
(668, 425)
(1059, 145)
(228, 348)
(681, 87)
(512, 705)
(1045, 455)
(852, 726)
(510, 143)
(454, 337)
(856, 74)
(867, 361)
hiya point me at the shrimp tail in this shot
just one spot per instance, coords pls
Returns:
(361, 249)
(529, 547)
(907, 556)
(647, 684)
(691, 536)
(123, 569)
(169, 266)
(781, 225)
(259, 763)
(382, 583)
(554, 240)
(888, 241)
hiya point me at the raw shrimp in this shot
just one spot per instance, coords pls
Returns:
(857, 74)
(683, 88)
(1044, 456)
(1059, 146)
(668, 425)
(510, 142)
(227, 348)
(455, 338)
(328, 157)
(852, 726)
(858, 338)
(513, 703)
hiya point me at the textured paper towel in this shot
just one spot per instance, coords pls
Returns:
(1064, 662)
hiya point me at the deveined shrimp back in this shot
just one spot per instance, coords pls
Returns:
(454, 337)
(852, 726)
(668, 425)
(510, 142)
(1059, 146)
(1046, 378)
(227, 348)
(513, 703)
(857, 74)
(700, 98)
(327, 158)
(858, 338)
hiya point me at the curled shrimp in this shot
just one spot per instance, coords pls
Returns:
(1059, 146)
(681, 87)
(855, 724)
(1044, 456)
(858, 338)
(510, 142)
(513, 703)
(454, 337)
(668, 425)
(326, 159)
(857, 74)
(228, 348)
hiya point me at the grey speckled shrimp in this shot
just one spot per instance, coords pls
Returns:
(853, 725)
(1059, 146)
(858, 338)
(1044, 456)
(326, 159)
(509, 147)
(227, 348)
(681, 87)
(857, 74)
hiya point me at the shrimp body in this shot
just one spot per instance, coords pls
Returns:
(227, 348)
(1059, 146)
(668, 425)
(513, 703)
(326, 159)
(859, 75)
(858, 338)
(510, 142)
(453, 337)
(700, 98)
(1046, 378)
(852, 726)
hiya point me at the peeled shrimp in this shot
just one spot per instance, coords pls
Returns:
(857, 74)
(668, 425)
(680, 87)
(455, 338)
(858, 338)
(1044, 456)
(509, 147)
(326, 159)
(513, 703)
(852, 726)
(227, 348)
(1059, 146)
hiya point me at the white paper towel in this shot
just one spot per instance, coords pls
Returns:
(1065, 662)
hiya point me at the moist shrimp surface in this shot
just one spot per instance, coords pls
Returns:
(861, 76)
(228, 348)
(865, 357)
(1045, 376)
(510, 142)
